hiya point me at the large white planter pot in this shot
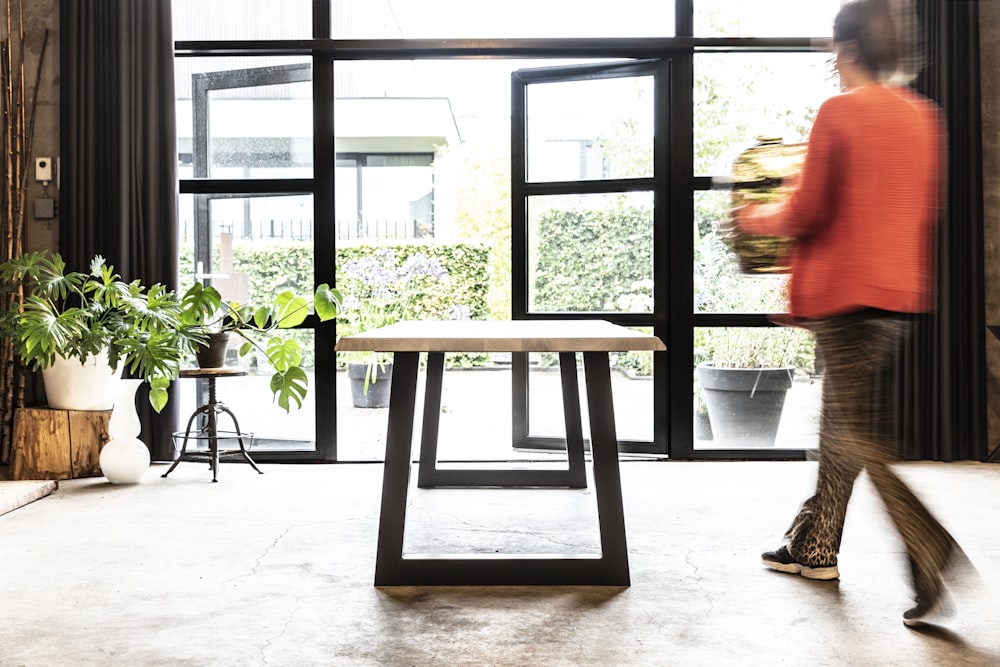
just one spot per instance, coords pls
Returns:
(124, 458)
(74, 385)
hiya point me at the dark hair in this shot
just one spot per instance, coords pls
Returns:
(869, 23)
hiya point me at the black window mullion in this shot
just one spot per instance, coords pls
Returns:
(589, 187)
(325, 236)
(677, 288)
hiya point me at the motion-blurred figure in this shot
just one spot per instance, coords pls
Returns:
(863, 216)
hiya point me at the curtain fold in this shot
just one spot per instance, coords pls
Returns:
(118, 146)
(945, 414)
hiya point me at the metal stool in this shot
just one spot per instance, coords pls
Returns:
(210, 430)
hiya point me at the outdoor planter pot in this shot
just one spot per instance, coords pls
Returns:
(744, 404)
(376, 394)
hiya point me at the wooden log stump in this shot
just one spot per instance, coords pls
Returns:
(57, 444)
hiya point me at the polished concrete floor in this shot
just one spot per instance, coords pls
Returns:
(277, 569)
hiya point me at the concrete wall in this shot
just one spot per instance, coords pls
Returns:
(989, 45)
(39, 15)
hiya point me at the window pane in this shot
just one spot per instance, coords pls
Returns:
(719, 286)
(259, 245)
(742, 398)
(590, 253)
(252, 136)
(258, 248)
(241, 19)
(764, 18)
(252, 401)
(398, 195)
(413, 19)
(740, 97)
(257, 120)
(589, 130)
(385, 196)
(631, 387)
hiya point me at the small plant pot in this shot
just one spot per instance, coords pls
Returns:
(377, 395)
(213, 355)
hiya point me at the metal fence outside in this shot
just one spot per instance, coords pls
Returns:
(303, 230)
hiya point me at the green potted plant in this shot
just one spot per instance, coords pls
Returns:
(262, 329)
(94, 322)
(382, 288)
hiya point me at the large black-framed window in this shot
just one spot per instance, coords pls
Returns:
(673, 186)
(673, 317)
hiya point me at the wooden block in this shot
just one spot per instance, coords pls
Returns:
(88, 431)
(57, 444)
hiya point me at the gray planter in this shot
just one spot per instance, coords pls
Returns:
(377, 395)
(744, 404)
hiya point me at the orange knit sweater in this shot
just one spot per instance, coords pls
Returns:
(865, 208)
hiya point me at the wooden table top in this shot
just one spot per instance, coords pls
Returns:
(222, 372)
(500, 336)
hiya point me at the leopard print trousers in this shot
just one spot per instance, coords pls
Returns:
(857, 350)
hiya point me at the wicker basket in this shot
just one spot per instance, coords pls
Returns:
(760, 175)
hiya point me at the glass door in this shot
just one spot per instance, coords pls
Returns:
(257, 240)
(589, 203)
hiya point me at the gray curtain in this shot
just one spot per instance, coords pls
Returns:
(118, 146)
(944, 414)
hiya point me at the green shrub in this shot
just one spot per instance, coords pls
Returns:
(275, 267)
(591, 256)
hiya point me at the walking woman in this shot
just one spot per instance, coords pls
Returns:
(863, 214)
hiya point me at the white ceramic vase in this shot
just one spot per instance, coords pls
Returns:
(125, 458)
(74, 385)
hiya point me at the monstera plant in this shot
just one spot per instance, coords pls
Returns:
(262, 329)
(57, 314)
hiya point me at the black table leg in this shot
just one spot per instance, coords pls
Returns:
(610, 568)
(607, 477)
(426, 476)
(430, 476)
(396, 475)
(573, 420)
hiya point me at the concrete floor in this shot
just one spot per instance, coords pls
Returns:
(277, 570)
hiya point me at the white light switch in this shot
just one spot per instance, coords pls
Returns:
(43, 169)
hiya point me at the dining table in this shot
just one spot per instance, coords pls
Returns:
(594, 341)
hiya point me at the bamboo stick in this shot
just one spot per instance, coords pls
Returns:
(19, 113)
(10, 131)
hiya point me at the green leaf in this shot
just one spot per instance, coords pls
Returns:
(262, 317)
(327, 302)
(199, 303)
(158, 394)
(290, 310)
(283, 353)
(290, 385)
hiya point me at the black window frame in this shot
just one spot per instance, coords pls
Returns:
(673, 320)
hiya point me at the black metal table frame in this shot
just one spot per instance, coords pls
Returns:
(394, 568)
